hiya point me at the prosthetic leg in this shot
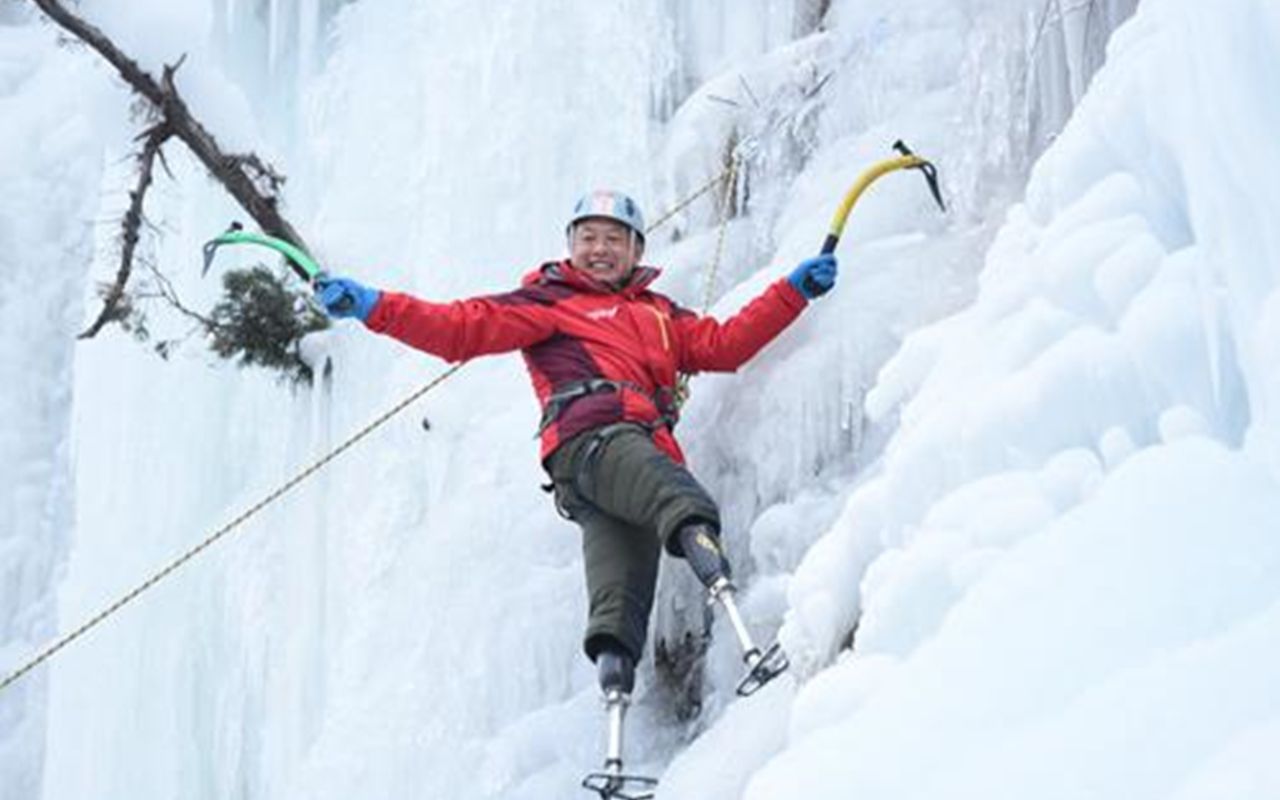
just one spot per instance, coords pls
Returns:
(617, 678)
(702, 551)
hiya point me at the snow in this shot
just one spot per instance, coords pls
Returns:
(1099, 325)
(1006, 495)
(1106, 652)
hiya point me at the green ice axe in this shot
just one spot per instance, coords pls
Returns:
(303, 265)
(906, 160)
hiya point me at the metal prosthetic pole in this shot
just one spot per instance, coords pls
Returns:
(612, 782)
(699, 543)
(615, 704)
(762, 667)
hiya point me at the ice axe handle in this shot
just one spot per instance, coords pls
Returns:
(829, 244)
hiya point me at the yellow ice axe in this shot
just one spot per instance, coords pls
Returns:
(907, 160)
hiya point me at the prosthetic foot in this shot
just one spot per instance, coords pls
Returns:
(617, 678)
(702, 551)
(762, 667)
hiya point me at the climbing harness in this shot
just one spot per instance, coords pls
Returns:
(663, 399)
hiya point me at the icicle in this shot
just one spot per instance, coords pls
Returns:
(1072, 21)
(308, 39)
(273, 34)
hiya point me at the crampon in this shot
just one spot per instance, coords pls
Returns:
(762, 668)
(613, 783)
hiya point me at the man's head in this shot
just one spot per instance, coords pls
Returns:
(606, 236)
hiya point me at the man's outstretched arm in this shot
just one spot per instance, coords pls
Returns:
(707, 345)
(454, 331)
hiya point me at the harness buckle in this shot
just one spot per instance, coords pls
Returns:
(665, 399)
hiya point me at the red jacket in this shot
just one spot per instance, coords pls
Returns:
(573, 328)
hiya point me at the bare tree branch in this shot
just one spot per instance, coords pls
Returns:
(229, 170)
(92, 36)
(155, 137)
(255, 322)
(170, 295)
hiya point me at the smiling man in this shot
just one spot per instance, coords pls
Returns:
(604, 351)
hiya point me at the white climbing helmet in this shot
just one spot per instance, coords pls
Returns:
(608, 204)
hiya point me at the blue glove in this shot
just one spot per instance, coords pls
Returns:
(815, 276)
(343, 297)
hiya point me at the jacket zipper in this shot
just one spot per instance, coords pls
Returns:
(662, 326)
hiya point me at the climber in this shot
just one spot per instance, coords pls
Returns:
(603, 351)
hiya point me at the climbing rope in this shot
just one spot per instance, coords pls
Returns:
(730, 175)
(688, 200)
(301, 476)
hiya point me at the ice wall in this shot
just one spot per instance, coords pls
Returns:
(408, 624)
(788, 442)
(1049, 558)
(53, 158)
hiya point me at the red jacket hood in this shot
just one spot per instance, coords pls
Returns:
(565, 274)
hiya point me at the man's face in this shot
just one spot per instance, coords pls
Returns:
(605, 250)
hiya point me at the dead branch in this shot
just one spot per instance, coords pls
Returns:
(229, 170)
(165, 291)
(253, 183)
(134, 75)
(131, 224)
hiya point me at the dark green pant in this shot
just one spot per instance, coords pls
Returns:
(629, 498)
